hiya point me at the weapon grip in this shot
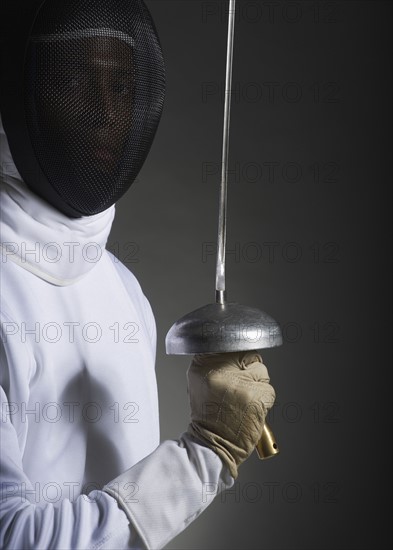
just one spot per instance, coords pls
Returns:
(267, 446)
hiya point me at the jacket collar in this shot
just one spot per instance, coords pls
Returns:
(34, 235)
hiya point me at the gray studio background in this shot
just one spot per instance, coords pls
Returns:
(308, 219)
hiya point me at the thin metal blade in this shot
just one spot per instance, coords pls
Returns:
(222, 213)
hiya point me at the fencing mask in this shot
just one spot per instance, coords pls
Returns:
(82, 96)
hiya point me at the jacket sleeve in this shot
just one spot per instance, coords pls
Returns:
(93, 521)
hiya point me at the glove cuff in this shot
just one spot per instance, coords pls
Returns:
(218, 445)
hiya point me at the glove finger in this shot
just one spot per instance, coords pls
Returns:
(255, 371)
(213, 360)
(248, 357)
(220, 375)
(267, 395)
(236, 360)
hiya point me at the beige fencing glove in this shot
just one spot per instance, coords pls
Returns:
(230, 396)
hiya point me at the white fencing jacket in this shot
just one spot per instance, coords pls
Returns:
(78, 391)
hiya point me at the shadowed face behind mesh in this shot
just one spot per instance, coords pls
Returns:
(93, 101)
(83, 100)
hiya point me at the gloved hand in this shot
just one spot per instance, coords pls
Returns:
(230, 396)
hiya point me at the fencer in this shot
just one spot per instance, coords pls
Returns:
(82, 465)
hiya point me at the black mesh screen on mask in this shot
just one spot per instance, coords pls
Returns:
(94, 91)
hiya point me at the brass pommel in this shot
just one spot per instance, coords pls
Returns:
(267, 446)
